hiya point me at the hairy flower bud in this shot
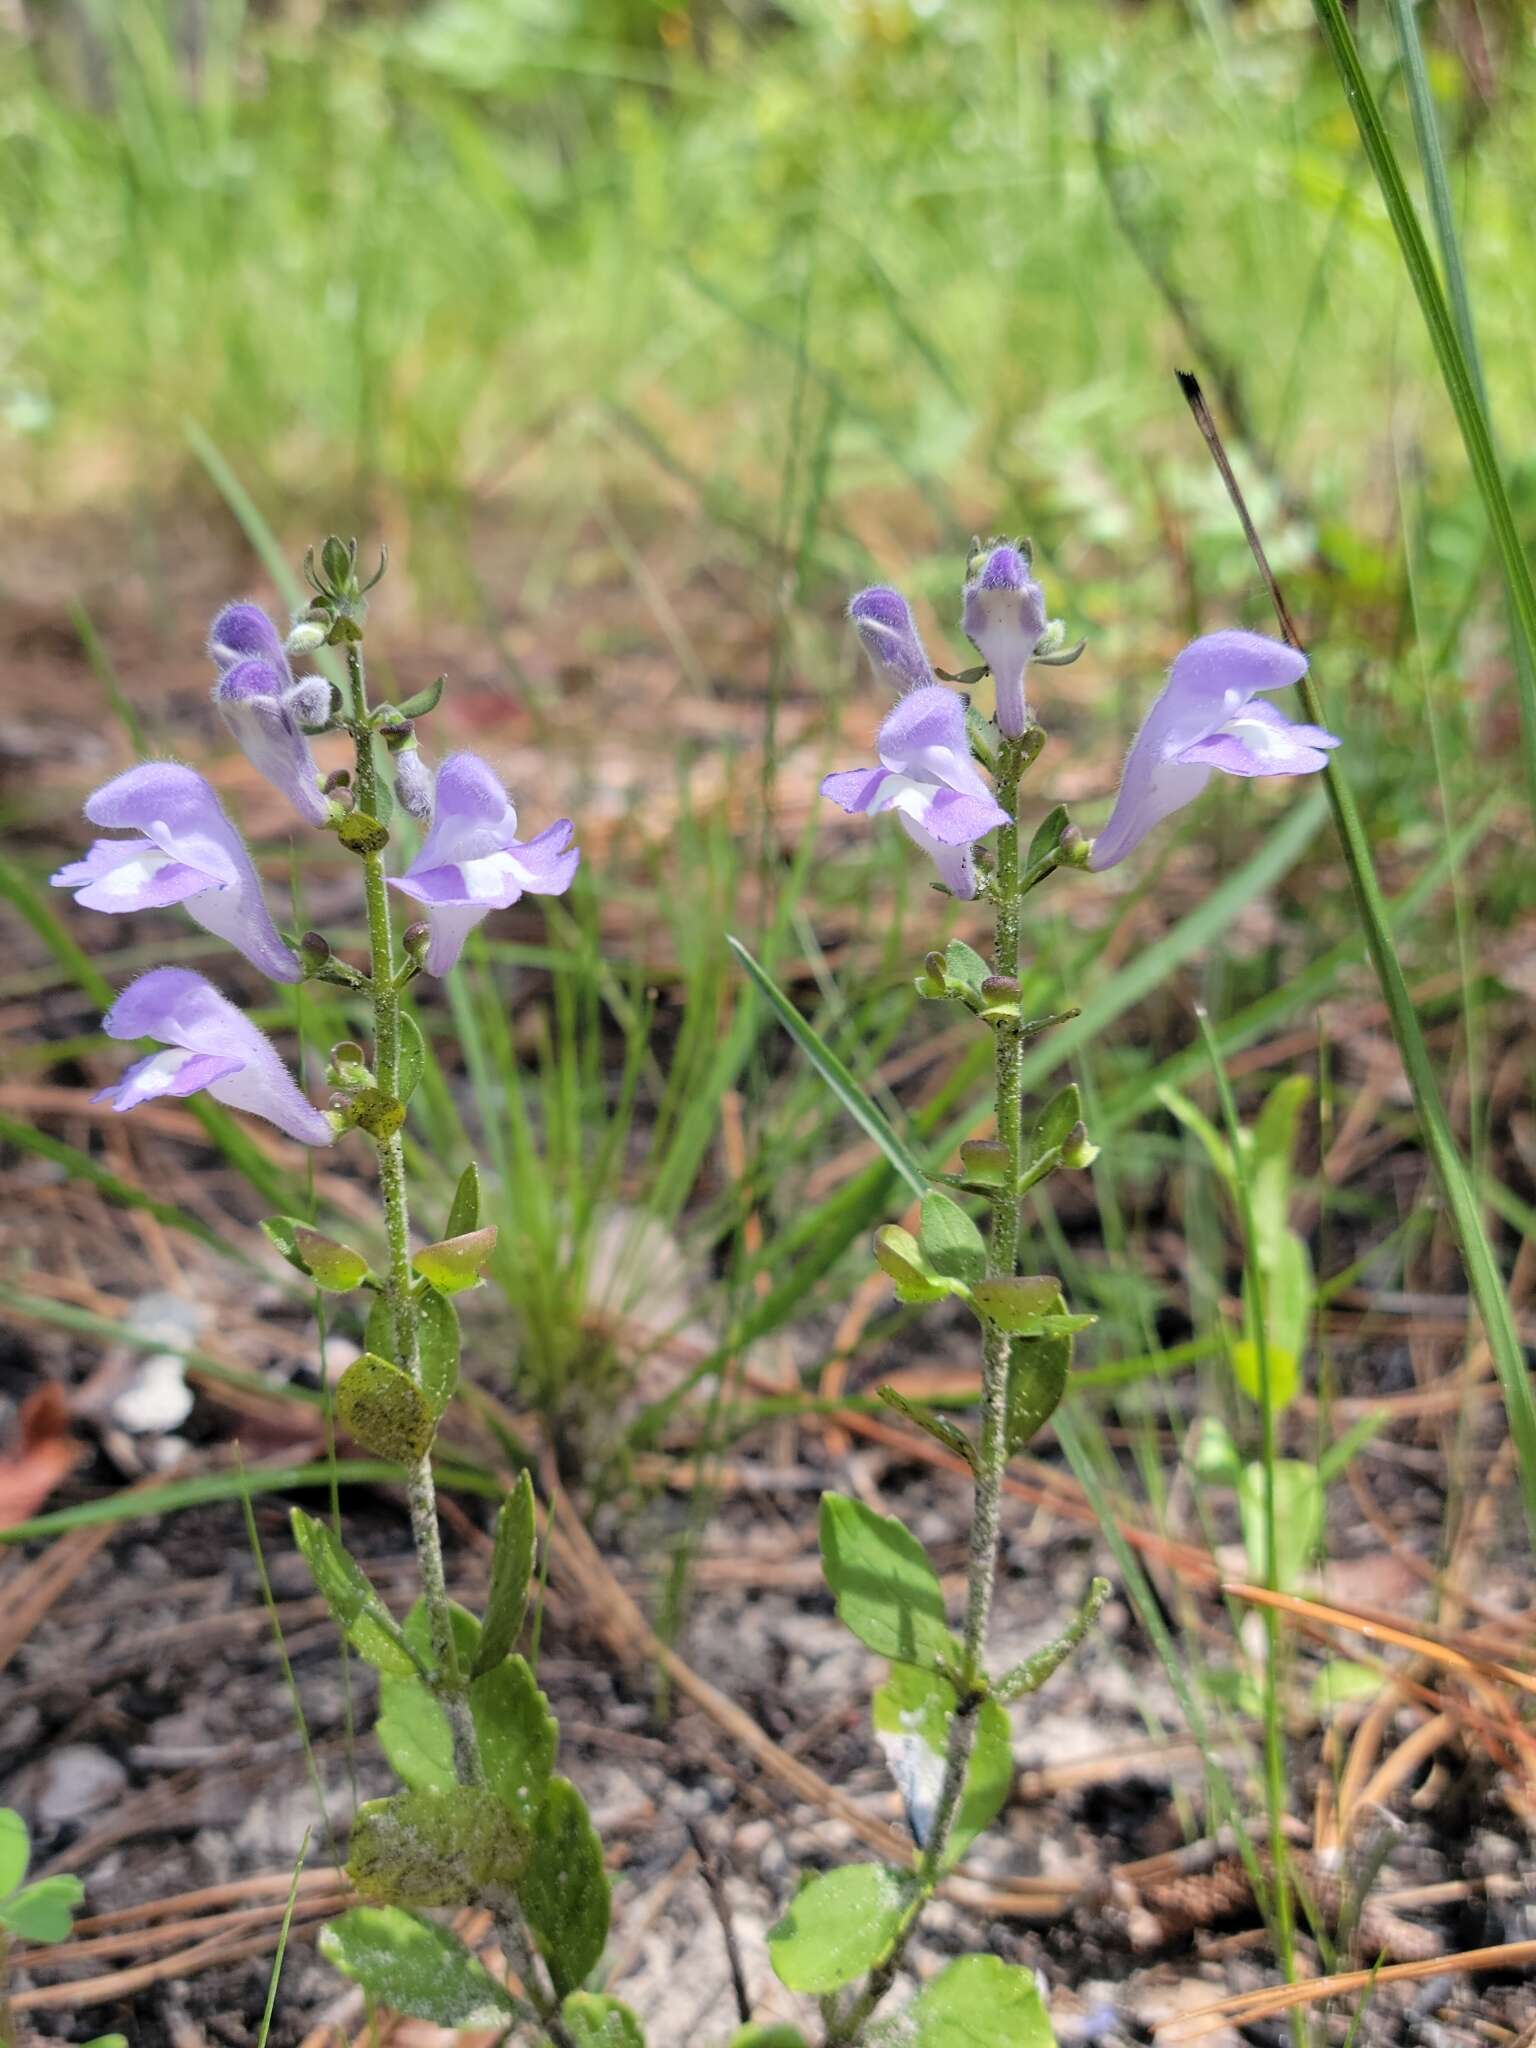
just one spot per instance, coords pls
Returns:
(305, 637)
(311, 702)
(413, 785)
(1004, 616)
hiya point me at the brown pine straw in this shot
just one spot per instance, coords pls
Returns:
(1282, 1998)
(1323, 1614)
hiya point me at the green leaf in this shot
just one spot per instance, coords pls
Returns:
(412, 1728)
(1022, 1304)
(1038, 1369)
(330, 1264)
(437, 1342)
(413, 1055)
(384, 1409)
(518, 1737)
(979, 2002)
(15, 1850)
(1047, 836)
(834, 1073)
(414, 1967)
(421, 1848)
(1215, 1455)
(511, 1570)
(455, 1263)
(1271, 1149)
(1298, 1519)
(41, 1911)
(838, 1927)
(898, 1254)
(913, 1713)
(421, 701)
(1341, 1681)
(108, 2041)
(282, 1231)
(360, 1614)
(1055, 1121)
(464, 1211)
(950, 1243)
(886, 1590)
(949, 1434)
(1287, 1291)
(565, 1892)
(768, 2034)
(596, 2022)
(1218, 1151)
(964, 968)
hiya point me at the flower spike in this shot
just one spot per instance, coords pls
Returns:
(1207, 717)
(927, 777)
(209, 1044)
(265, 708)
(472, 862)
(186, 851)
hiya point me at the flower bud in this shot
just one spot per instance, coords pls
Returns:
(413, 785)
(1074, 847)
(414, 942)
(310, 702)
(339, 778)
(1077, 1151)
(314, 952)
(305, 637)
(1004, 616)
(999, 987)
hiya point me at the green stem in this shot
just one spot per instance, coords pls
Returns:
(992, 1452)
(421, 1490)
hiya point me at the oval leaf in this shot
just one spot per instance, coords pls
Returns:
(435, 1848)
(384, 1409)
(838, 1927)
(511, 1570)
(898, 1255)
(360, 1614)
(950, 1243)
(15, 1849)
(413, 1055)
(565, 1892)
(41, 1911)
(886, 1590)
(1019, 1302)
(437, 1342)
(913, 1714)
(980, 2002)
(464, 1212)
(594, 2022)
(518, 1737)
(330, 1264)
(1037, 1378)
(455, 1263)
(414, 1967)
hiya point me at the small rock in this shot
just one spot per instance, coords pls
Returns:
(77, 1780)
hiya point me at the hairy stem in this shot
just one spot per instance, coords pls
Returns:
(992, 1452)
(421, 1489)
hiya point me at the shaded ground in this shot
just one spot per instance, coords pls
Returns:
(144, 1718)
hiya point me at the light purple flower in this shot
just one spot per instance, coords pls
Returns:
(927, 777)
(883, 620)
(1207, 717)
(264, 707)
(209, 1045)
(1004, 616)
(185, 851)
(472, 862)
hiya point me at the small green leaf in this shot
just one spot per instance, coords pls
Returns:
(1038, 1369)
(1055, 1121)
(282, 1231)
(887, 1592)
(464, 1211)
(15, 1850)
(1019, 1303)
(414, 1967)
(964, 967)
(384, 1409)
(518, 1737)
(1270, 1149)
(1298, 1519)
(1341, 1681)
(768, 2034)
(359, 1612)
(435, 1848)
(913, 1713)
(423, 700)
(511, 1570)
(898, 1255)
(456, 1262)
(437, 1342)
(596, 2022)
(565, 1892)
(979, 2002)
(1215, 1456)
(1285, 1286)
(950, 1243)
(412, 1728)
(377, 1112)
(413, 1055)
(362, 833)
(949, 1434)
(107, 2041)
(1047, 836)
(1217, 1150)
(838, 1927)
(331, 1265)
(41, 1911)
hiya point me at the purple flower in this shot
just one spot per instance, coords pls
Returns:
(265, 708)
(471, 862)
(186, 851)
(926, 775)
(209, 1045)
(883, 619)
(1208, 716)
(1004, 616)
